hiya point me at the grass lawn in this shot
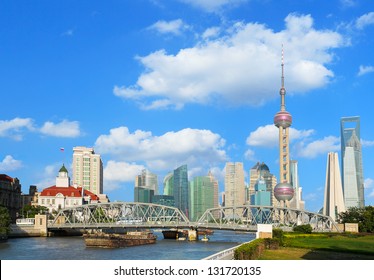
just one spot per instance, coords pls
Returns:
(323, 247)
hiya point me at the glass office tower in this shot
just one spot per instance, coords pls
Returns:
(351, 153)
(180, 188)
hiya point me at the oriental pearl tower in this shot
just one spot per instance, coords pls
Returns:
(283, 191)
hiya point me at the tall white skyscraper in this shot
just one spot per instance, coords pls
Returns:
(234, 184)
(333, 200)
(297, 201)
(87, 169)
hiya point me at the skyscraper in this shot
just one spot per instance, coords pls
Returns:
(333, 200)
(297, 201)
(234, 185)
(146, 186)
(168, 184)
(257, 171)
(351, 153)
(88, 169)
(180, 188)
(201, 196)
(147, 180)
(283, 191)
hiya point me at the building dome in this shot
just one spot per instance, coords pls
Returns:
(284, 192)
(283, 119)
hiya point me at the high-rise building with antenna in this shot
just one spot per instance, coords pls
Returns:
(283, 191)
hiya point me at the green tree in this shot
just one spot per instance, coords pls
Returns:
(29, 211)
(363, 216)
(5, 220)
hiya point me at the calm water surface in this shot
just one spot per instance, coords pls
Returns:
(73, 248)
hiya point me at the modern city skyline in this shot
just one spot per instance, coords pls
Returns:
(157, 91)
(88, 169)
(352, 168)
(333, 199)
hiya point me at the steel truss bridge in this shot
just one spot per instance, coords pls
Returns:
(145, 215)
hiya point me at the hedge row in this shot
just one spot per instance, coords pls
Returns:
(254, 249)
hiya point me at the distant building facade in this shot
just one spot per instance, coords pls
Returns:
(10, 195)
(88, 169)
(297, 202)
(263, 171)
(168, 184)
(333, 199)
(201, 196)
(180, 188)
(352, 169)
(147, 180)
(234, 185)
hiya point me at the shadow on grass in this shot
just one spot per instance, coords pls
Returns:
(332, 255)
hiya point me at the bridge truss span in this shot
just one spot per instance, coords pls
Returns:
(247, 217)
(148, 215)
(118, 214)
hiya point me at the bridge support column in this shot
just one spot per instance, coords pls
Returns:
(41, 224)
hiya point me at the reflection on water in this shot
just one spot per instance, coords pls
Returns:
(73, 248)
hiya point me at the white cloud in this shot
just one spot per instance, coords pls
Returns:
(10, 164)
(369, 183)
(62, 129)
(367, 143)
(212, 5)
(48, 176)
(268, 136)
(119, 172)
(365, 20)
(242, 67)
(14, 128)
(174, 26)
(250, 155)
(165, 152)
(318, 147)
(211, 32)
(348, 3)
(365, 70)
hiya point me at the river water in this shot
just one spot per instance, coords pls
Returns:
(74, 248)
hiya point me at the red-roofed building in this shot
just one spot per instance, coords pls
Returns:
(62, 195)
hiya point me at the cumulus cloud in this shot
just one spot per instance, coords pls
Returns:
(174, 26)
(14, 128)
(242, 67)
(365, 20)
(10, 164)
(268, 136)
(365, 70)
(317, 147)
(165, 152)
(69, 129)
(117, 172)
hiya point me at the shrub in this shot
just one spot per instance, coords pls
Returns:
(303, 229)
(250, 251)
(278, 235)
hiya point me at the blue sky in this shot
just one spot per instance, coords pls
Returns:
(157, 84)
